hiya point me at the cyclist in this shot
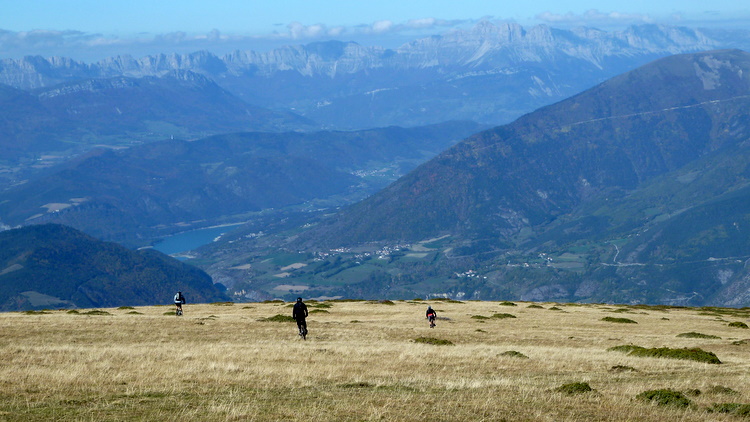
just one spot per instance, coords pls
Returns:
(431, 315)
(179, 299)
(299, 313)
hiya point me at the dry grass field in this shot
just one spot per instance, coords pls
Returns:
(362, 362)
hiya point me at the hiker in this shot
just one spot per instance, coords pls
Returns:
(299, 313)
(179, 299)
(431, 315)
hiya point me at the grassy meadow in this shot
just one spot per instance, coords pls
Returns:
(364, 361)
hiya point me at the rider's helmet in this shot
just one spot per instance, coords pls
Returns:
(299, 299)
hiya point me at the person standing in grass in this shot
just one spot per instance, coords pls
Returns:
(299, 313)
(431, 315)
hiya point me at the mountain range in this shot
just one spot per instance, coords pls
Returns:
(632, 191)
(491, 73)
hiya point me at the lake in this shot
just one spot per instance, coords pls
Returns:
(193, 239)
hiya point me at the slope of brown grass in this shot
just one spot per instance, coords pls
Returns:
(361, 363)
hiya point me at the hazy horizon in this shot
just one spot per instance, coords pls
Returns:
(90, 31)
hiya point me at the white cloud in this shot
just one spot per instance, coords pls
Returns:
(594, 17)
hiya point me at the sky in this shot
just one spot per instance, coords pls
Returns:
(89, 30)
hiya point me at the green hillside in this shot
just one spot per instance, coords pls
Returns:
(53, 266)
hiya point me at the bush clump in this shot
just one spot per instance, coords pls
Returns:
(506, 303)
(386, 302)
(479, 317)
(122, 308)
(665, 397)
(738, 324)
(503, 316)
(693, 334)
(222, 303)
(574, 388)
(434, 341)
(619, 320)
(278, 318)
(534, 306)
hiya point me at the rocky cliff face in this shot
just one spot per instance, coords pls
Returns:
(487, 45)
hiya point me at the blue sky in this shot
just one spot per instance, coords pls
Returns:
(91, 29)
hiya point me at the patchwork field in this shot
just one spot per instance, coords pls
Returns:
(363, 361)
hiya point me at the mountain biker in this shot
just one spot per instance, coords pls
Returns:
(179, 299)
(299, 313)
(431, 315)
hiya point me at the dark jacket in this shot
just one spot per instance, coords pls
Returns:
(299, 311)
(429, 312)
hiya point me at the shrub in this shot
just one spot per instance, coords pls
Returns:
(122, 308)
(665, 397)
(73, 311)
(738, 324)
(35, 312)
(134, 313)
(555, 308)
(386, 302)
(503, 316)
(274, 301)
(535, 307)
(479, 317)
(693, 334)
(574, 388)
(432, 340)
(514, 354)
(222, 303)
(321, 305)
(619, 320)
(278, 318)
(506, 303)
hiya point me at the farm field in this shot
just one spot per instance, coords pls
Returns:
(368, 360)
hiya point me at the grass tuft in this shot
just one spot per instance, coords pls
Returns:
(222, 303)
(134, 313)
(479, 317)
(122, 308)
(96, 312)
(503, 316)
(665, 397)
(319, 311)
(434, 341)
(514, 354)
(622, 368)
(720, 389)
(619, 320)
(736, 409)
(506, 303)
(278, 318)
(738, 324)
(574, 388)
(35, 312)
(534, 306)
(695, 354)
